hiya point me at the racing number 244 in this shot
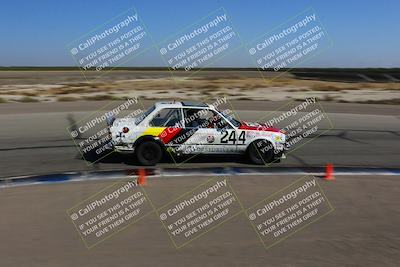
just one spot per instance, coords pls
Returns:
(225, 139)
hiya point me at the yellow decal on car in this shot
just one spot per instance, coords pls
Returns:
(154, 131)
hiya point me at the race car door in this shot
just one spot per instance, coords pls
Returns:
(207, 132)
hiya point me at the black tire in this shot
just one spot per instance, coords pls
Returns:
(148, 153)
(260, 152)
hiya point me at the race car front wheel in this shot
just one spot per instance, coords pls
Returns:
(148, 153)
(260, 152)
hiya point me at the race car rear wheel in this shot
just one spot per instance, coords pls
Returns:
(148, 153)
(260, 152)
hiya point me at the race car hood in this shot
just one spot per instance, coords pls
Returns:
(121, 122)
(257, 127)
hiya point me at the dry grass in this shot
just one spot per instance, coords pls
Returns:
(248, 87)
(100, 97)
(394, 101)
(27, 99)
(30, 93)
(66, 98)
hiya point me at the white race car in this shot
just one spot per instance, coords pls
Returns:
(186, 128)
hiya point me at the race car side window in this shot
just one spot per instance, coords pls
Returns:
(204, 118)
(142, 116)
(167, 117)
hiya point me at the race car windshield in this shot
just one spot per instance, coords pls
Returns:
(141, 117)
(231, 119)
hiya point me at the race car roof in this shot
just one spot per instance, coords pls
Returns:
(194, 104)
(182, 103)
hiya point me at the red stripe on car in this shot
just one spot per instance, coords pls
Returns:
(259, 128)
(168, 134)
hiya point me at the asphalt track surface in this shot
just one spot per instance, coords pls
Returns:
(34, 139)
(362, 230)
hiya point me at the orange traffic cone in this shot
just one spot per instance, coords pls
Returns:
(142, 177)
(329, 172)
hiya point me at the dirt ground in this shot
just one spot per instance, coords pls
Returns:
(35, 86)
